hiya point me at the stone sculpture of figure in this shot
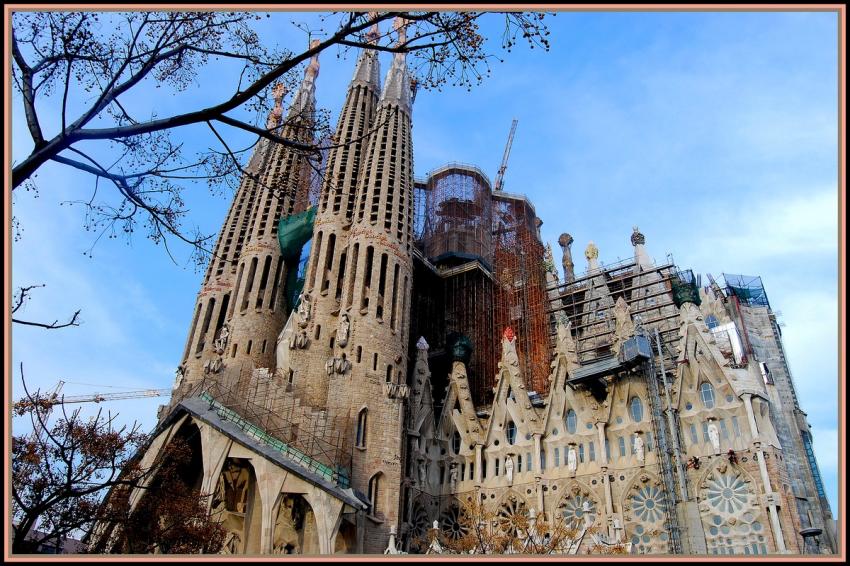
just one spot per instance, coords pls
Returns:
(179, 375)
(342, 330)
(572, 464)
(509, 469)
(221, 342)
(567, 261)
(422, 473)
(714, 437)
(639, 449)
(453, 477)
(638, 239)
(304, 310)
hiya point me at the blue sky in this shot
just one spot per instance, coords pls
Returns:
(715, 133)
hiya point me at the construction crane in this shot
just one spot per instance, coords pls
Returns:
(501, 175)
(53, 397)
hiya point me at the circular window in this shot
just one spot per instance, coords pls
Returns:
(688, 406)
(554, 432)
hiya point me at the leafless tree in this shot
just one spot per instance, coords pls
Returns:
(20, 298)
(83, 67)
(65, 467)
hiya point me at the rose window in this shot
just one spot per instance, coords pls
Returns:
(452, 523)
(577, 509)
(648, 504)
(727, 493)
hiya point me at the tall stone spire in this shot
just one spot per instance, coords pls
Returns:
(565, 241)
(305, 99)
(397, 88)
(376, 295)
(329, 251)
(240, 307)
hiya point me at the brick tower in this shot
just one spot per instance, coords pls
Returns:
(240, 308)
(329, 249)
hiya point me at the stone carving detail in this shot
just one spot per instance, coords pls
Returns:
(637, 237)
(304, 310)
(509, 469)
(396, 391)
(510, 360)
(221, 343)
(421, 344)
(343, 330)
(565, 344)
(572, 462)
(714, 437)
(639, 453)
(179, 376)
(261, 374)
(565, 241)
(338, 365)
(214, 365)
(591, 252)
(624, 326)
(422, 473)
(453, 477)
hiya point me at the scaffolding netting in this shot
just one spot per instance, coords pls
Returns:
(749, 290)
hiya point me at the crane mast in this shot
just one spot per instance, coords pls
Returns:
(501, 175)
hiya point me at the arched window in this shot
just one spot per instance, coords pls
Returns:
(572, 421)
(706, 393)
(374, 499)
(711, 321)
(456, 442)
(361, 428)
(510, 432)
(636, 409)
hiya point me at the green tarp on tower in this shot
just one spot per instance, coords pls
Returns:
(292, 233)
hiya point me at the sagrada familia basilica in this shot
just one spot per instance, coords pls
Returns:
(366, 358)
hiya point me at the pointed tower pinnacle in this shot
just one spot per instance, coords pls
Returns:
(368, 69)
(592, 255)
(278, 91)
(397, 89)
(642, 260)
(305, 98)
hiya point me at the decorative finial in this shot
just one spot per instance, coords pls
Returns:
(592, 252)
(565, 240)
(637, 237)
(313, 67)
(509, 334)
(374, 32)
(278, 92)
(421, 344)
(400, 26)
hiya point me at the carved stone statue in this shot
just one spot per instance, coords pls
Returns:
(565, 240)
(566, 346)
(509, 469)
(304, 309)
(343, 330)
(422, 473)
(572, 463)
(714, 437)
(639, 452)
(509, 355)
(221, 343)
(179, 375)
(624, 327)
(213, 365)
(453, 477)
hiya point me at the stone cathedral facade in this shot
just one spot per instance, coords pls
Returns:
(363, 360)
